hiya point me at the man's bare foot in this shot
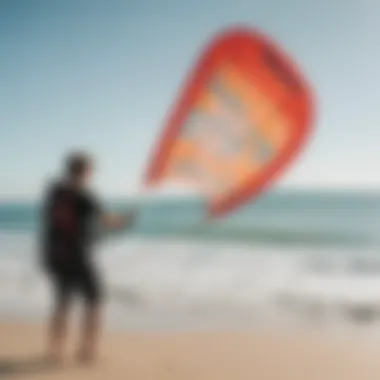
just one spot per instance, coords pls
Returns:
(85, 357)
(54, 358)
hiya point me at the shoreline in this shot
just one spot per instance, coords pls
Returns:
(270, 354)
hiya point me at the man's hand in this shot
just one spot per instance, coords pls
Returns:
(120, 221)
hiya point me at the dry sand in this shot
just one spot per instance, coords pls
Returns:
(262, 355)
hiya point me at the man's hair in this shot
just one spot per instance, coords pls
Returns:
(77, 163)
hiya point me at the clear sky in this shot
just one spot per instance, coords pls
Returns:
(102, 74)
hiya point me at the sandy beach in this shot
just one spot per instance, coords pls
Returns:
(262, 355)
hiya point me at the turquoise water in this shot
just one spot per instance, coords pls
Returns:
(286, 218)
(277, 257)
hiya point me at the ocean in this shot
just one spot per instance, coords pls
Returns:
(288, 257)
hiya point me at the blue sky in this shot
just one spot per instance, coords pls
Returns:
(102, 74)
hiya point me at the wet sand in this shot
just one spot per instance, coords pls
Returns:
(262, 355)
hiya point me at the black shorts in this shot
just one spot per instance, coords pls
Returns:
(81, 280)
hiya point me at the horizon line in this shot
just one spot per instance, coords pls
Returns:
(183, 195)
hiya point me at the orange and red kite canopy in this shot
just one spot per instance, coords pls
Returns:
(240, 119)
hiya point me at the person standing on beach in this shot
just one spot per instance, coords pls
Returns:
(70, 215)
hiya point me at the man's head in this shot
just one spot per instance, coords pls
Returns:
(79, 167)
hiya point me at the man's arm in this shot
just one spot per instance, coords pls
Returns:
(119, 221)
(111, 221)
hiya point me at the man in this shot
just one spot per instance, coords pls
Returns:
(71, 215)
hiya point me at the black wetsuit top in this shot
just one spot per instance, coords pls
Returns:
(70, 216)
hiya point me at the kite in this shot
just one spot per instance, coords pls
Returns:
(241, 118)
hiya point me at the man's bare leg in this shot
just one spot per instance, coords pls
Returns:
(90, 333)
(58, 331)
